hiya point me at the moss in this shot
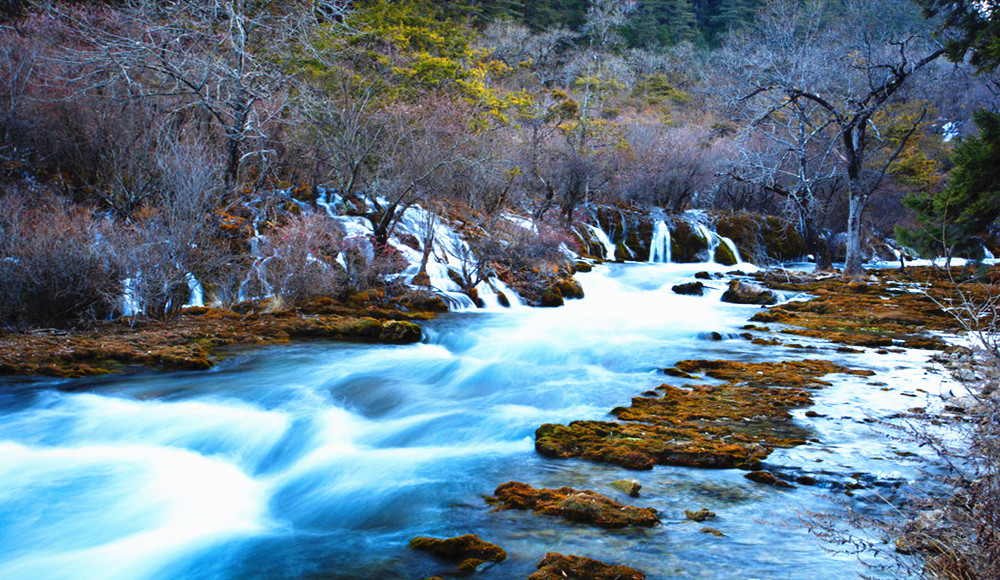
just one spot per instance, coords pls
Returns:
(686, 243)
(767, 478)
(699, 515)
(551, 298)
(468, 550)
(558, 567)
(583, 506)
(724, 255)
(734, 424)
(762, 235)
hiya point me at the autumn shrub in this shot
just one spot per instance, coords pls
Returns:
(301, 259)
(57, 268)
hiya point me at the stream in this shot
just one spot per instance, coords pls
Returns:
(322, 460)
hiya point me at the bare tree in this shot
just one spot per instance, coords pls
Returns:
(810, 73)
(211, 60)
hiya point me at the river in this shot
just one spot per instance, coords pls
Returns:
(322, 460)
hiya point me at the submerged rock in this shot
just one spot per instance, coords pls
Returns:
(558, 567)
(741, 292)
(629, 486)
(468, 550)
(689, 289)
(584, 506)
(699, 515)
(713, 531)
(767, 478)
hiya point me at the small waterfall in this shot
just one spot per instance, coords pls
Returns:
(197, 297)
(732, 247)
(659, 246)
(987, 254)
(602, 237)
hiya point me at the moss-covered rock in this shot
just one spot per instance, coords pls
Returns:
(767, 478)
(761, 236)
(551, 298)
(583, 506)
(468, 550)
(724, 255)
(686, 243)
(689, 289)
(699, 515)
(558, 567)
(735, 424)
(570, 289)
(741, 292)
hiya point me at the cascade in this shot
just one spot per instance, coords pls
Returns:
(987, 254)
(659, 247)
(602, 237)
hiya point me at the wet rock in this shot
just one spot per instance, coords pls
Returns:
(584, 506)
(582, 267)
(724, 255)
(551, 298)
(767, 478)
(704, 276)
(468, 550)
(503, 300)
(676, 372)
(558, 567)
(629, 486)
(761, 235)
(741, 292)
(699, 515)
(689, 289)
(805, 480)
(570, 289)
(713, 531)
(400, 332)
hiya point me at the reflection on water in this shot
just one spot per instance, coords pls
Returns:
(323, 460)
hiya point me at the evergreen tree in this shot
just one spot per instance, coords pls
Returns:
(953, 219)
(976, 29)
(662, 23)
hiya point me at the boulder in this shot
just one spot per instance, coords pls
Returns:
(699, 515)
(468, 550)
(584, 506)
(689, 289)
(741, 292)
(558, 567)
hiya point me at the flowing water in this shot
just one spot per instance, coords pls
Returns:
(324, 459)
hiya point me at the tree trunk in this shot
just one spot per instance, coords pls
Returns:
(853, 262)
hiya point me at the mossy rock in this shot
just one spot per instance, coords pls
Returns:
(583, 506)
(689, 289)
(551, 298)
(686, 243)
(724, 255)
(468, 550)
(558, 567)
(400, 332)
(570, 289)
(762, 235)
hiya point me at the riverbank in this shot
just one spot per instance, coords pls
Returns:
(192, 339)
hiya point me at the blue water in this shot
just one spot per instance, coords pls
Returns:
(324, 459)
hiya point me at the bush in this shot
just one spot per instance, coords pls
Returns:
(57, 267)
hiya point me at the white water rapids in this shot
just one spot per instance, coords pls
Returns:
(323, 459)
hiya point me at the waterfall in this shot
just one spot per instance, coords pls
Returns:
(732, 247)
(659, 246)
(602, 237)
(987, 254)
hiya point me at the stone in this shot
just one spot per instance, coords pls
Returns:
(767, 478)
(583, 506)
(551, 298)
(468, 550)
(699, 515)
(713, 531)
(629, 486)
(689, 289)
(741, 292)
(558, 567)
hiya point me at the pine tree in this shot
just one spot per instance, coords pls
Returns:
(954, 219)
(662, 23)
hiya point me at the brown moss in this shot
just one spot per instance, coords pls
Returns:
(583, 506)
(699, 515)
(558, 567)
(734, 424)
(468, 550)
(190, 341)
